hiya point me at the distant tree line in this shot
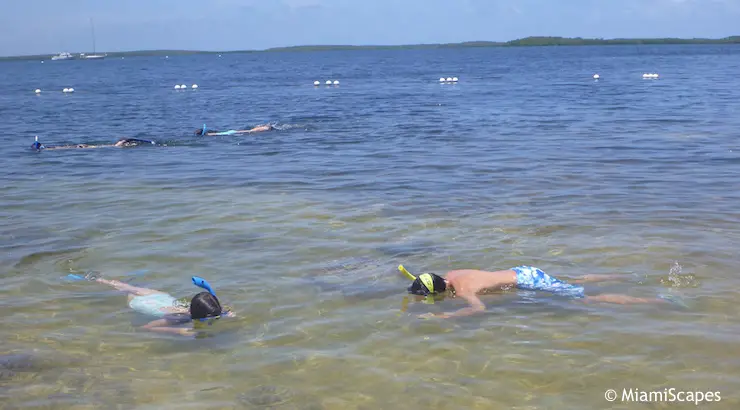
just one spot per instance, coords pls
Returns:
(523, 42)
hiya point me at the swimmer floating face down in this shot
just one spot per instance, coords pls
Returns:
(468, 284)
(204, 307)
(123, 142)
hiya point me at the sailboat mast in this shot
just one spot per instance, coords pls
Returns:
(92, 28)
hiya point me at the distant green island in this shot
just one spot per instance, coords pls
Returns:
(522, 42)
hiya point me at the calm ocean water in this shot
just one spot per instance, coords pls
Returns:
(527, 160)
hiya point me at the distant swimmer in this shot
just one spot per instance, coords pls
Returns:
(123, 142)
(213, 133)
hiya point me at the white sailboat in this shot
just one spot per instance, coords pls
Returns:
(93, 56)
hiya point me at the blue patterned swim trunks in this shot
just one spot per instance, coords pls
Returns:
(531, 278)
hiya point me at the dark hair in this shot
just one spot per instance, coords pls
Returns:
(419, 288)
(199, 131)
(204, 305)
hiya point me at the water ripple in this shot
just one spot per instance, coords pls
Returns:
(525, 160)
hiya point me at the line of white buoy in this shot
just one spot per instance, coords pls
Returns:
(645, 76)
(443, 80)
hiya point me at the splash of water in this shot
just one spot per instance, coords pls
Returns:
(676, 270)
(677, 279)
(284, 127)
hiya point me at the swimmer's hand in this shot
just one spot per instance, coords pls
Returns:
(160, 326)
(434, 315)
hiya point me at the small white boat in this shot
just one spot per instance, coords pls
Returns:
(63, 56)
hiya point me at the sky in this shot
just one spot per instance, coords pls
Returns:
(52, 26)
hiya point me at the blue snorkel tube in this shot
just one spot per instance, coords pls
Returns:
(37, 145)
(202, 283)
(204, 130)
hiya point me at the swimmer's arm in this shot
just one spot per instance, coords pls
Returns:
(160, 326)
(476, 306)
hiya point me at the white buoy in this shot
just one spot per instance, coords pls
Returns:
(166, 56)
(66, 90)
(38, 91)
(328, 82)
(449, 79)
(219, 56)
(317, 83)
(454, 79)
(655, 75)
(183, 86)
(195, 86)
(71, 90)
(336, 82)
(596, 76)
(177, 87)
(441, 79)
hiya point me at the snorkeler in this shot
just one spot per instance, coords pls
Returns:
(204, 306)
(260, 128)
(123, 142)
(469, 283)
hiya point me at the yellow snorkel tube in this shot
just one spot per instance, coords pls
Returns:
(407, 273)
(426, 279)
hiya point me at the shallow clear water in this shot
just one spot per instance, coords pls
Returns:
(527, 160)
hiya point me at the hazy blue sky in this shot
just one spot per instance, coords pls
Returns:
(49, 26)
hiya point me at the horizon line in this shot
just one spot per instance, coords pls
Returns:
(524, 41)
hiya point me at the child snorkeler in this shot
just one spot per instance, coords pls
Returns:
(469, 283)
(204, 306)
